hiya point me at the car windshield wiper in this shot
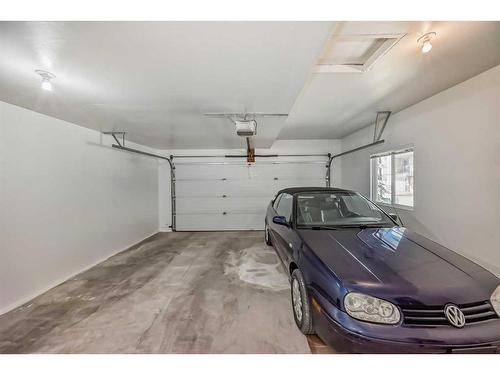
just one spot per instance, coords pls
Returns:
(344, 226)
(318, 227)
(364, 226)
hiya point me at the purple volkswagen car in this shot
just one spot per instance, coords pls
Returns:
(364, 284)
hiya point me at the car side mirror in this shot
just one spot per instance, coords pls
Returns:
(394, 217)
(280, 220)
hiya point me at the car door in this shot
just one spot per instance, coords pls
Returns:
(284, 233)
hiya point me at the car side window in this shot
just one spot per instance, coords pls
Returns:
(285, 206)
(276, 202)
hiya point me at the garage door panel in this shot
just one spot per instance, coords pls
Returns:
(211, 172)
(240, 188)
(283, 184)
(291, 171)
(226, 196)
(244, 188)
(219, 205)
(221, 222)
(252, 172)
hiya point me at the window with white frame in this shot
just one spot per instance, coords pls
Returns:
(392, 178)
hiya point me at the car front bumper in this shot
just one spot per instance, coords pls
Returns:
(347, 335)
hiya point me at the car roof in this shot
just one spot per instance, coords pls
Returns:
(294, 190)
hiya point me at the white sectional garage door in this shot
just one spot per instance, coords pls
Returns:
(235, 195)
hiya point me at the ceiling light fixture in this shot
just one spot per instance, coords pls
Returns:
(425, 41)
(46, 78)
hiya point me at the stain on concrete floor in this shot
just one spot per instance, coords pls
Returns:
(184, 292)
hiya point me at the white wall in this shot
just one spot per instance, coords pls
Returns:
(279, 146)
(456, 135)
(67, 201)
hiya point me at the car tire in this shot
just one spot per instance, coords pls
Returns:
(300, 304)
(267, 236)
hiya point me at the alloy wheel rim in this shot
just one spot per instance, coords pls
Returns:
(296, 300)
(266, 234)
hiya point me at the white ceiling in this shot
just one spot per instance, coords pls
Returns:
(333, 105)
(156, 79)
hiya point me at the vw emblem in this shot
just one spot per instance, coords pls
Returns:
(454, 315)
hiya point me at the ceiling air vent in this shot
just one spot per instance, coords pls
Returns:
(355, 53)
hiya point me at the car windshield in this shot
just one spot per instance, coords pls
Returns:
(338, 209)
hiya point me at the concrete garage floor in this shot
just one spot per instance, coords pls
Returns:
(184, 292)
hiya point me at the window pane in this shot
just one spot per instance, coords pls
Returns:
(285, 206)
(404, 178)
(382, 183)
(276, 202)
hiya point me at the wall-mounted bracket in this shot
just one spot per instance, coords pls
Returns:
(380, 123)
(114, 134)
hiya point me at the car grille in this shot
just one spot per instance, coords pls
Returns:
(474, 313)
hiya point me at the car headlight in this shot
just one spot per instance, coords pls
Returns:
(495, 300)
(371, 309)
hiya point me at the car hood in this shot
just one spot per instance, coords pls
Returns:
(399, 265)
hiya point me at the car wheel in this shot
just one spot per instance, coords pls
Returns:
(300, 304)
(267, 237)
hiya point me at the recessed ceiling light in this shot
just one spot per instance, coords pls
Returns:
(425, 41)
(46, 78)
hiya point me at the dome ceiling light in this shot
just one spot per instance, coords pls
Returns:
(425, 41)
(46, 78)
